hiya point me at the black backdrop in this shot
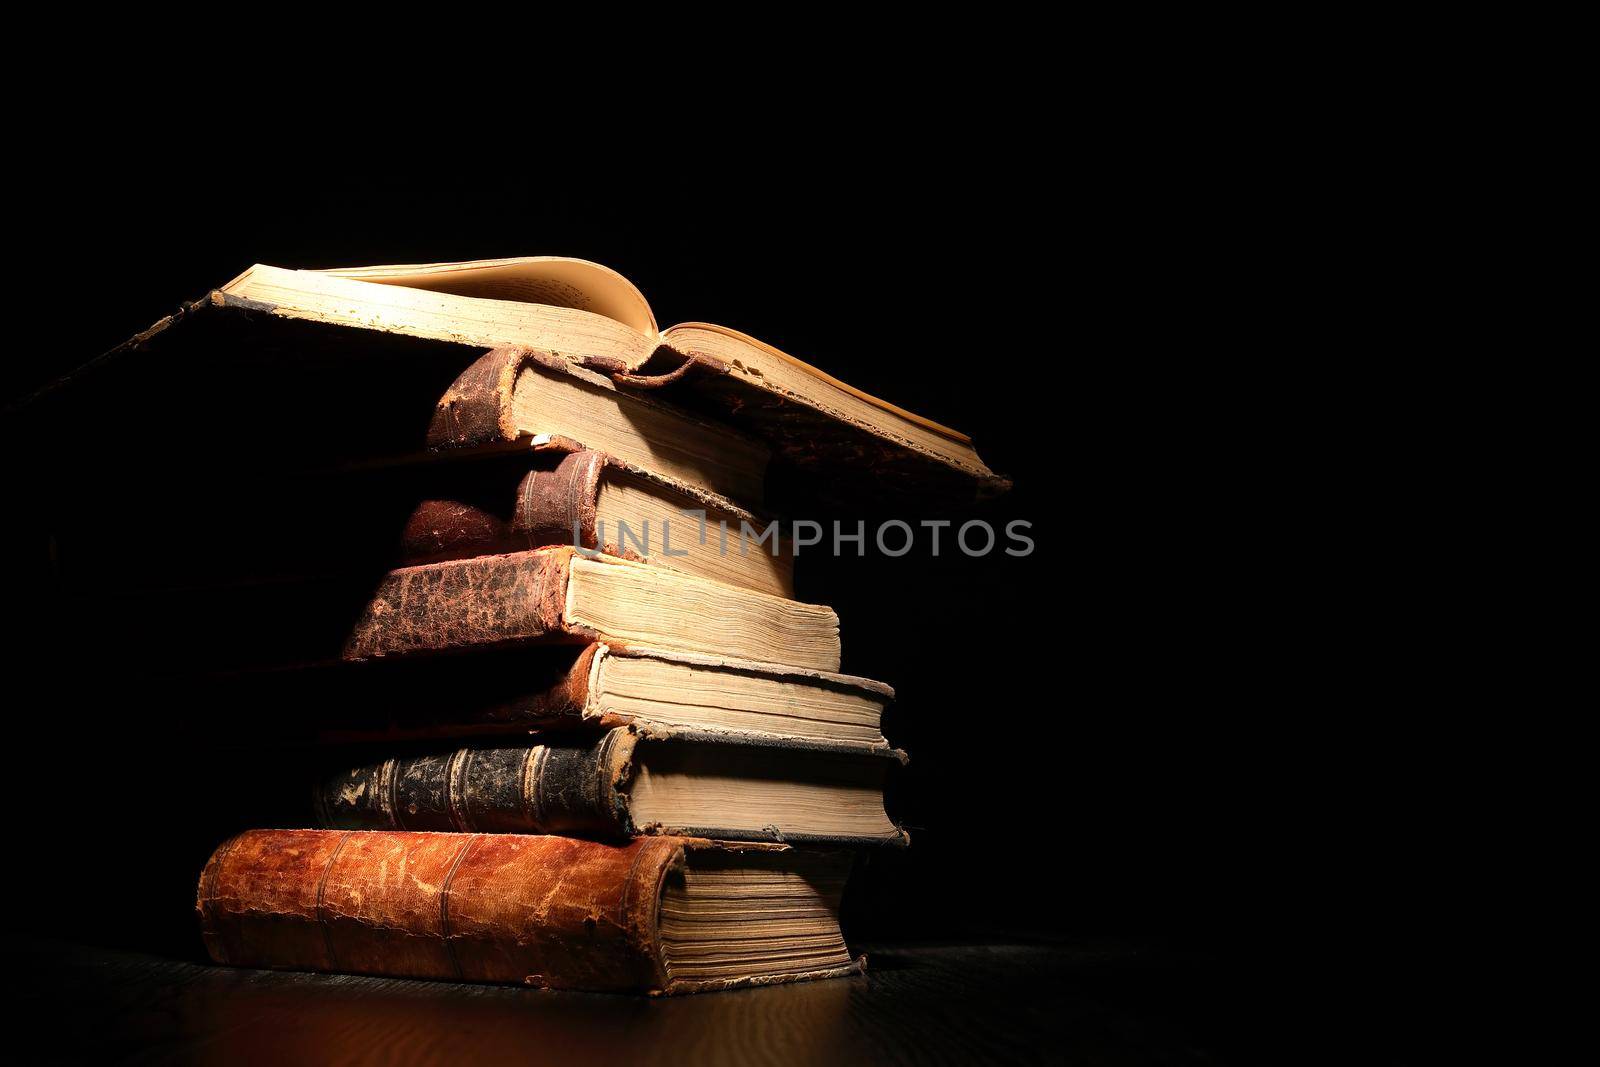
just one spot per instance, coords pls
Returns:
(1135, 733)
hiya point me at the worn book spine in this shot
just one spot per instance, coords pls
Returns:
(572, 788)
(522, 598)
(569, 785)
(550, 507)
(478, 410)
(559, 505)
(484, 602)
(553, 912)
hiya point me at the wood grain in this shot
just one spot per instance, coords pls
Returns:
(930, 1004)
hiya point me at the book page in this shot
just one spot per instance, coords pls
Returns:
(557, 281)
(774, 369)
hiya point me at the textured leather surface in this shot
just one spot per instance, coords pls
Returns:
(554, 500)
(476, 410)
(554, 507)
(573, 784)
(569, 786)
(474, 603)
(543, 911)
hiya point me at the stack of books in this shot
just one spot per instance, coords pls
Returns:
(605, 746)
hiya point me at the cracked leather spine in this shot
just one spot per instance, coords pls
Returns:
(563, 788)
(547, 507)
(555, 912)
(485, 602)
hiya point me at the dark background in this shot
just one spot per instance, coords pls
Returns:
(1148, 733)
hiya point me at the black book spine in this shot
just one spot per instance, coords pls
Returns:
(576, 788)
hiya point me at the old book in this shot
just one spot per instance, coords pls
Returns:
(264, 388)
(593, 316)
(564, 595)
(515, 398)
(594, 501)
(658, 915)
(622, 784)
(511, 692)
(303, 524)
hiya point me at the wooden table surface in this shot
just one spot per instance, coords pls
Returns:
(916, 1004)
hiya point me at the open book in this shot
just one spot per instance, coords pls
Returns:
(594, 316)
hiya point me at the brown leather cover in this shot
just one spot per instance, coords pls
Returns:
(553, 912)
(521, 598)
(550, 912)
(476, 410)
(473, 603)
(555, 504)
(550, 507)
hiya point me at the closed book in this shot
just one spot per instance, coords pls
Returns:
(241, 527)
(624, 783)
(597, 686)
(557, 596)
(564, 595)
(594, 501)
(657, 915)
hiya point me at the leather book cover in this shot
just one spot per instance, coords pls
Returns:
(483, 602)
(557, 785)
(503, 693)
(535, 597)
(550, 912)
(556, 503)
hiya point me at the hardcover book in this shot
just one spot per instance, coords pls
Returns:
(563, 595)
(594, 501)
(622, 784)
(659, 915)
(599, 686)
(311, 524)
(515, 398)
(557, 596)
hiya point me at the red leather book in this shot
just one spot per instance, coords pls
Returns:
(659, 915)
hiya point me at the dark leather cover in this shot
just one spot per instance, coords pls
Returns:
(569, 786)
(563, 785)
